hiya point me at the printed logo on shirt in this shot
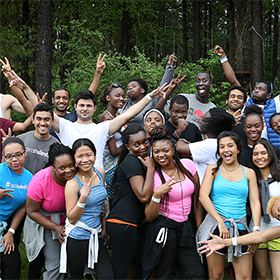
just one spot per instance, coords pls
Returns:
(198, 115)
(37, 152)
(9, 185)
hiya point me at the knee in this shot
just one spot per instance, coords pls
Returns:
(263, 274)
(216, 275)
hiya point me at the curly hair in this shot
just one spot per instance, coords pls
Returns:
(142, 83)
(253, 110)
(57, 149)
(161, 133)
(218, 121)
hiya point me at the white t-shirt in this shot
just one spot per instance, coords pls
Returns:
(203, 154)
(97, 133)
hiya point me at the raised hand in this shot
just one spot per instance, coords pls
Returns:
(100, 65)
(6, 67)
(16, 80)
(159, 92)
(6, 136)
(212, 245)
(86, 188)
(177, 81)
(165, 188)
(172, 60)
(219, 51)
(238, 116)
(41, 100)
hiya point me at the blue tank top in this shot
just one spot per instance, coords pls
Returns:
(230, 198)
(92, 210)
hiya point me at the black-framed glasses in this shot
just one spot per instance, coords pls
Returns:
(115, 85)
(16, 155)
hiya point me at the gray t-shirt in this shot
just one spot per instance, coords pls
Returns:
(37, 151)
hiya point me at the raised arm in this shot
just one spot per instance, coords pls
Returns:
(169, 70)
(226, 66)
(100, 66)
(134, 110)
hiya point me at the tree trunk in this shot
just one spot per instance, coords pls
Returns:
(196, 31)
(126, 26)
(185, 32)
(43, 72)
(257, 42)
(275, 42)
(25, 26)
(239, 33)
(231, 32)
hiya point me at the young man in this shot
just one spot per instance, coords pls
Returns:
(235, 99)
(199, 103)
(85, 105)
(177, 124)
(37, 142)
(260, 96)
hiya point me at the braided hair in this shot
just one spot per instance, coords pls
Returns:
(126, 134)
(161, 133)
(57, 149)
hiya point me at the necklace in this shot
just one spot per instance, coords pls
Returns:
(169, 173)
(228, 171)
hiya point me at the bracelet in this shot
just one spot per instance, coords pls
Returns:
(234, 241)
(224, 59)
(156, 200)
(122, 129)
(176, 134)
(149, 97)
(81, 205)
(11, 230)
(256, 228)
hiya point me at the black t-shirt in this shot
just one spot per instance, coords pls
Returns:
(128, 207)
(191, 133)
(239, 129)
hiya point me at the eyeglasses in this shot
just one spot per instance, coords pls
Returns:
(115, 85)
(16, 155)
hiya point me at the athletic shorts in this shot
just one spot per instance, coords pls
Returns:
(272, 245)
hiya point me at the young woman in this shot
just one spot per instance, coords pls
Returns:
(267, 168)
(253, 126)
(153, 118)
(223, 194)
(85, 195)
(14, 180)
(114, 97)
(135, 187)
(45, 206)
(176, 190)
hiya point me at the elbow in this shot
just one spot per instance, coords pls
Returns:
(150, 218)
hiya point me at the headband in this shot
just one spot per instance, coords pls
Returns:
(13, 140)
(154, 110)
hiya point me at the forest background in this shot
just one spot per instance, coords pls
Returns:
(53, 43)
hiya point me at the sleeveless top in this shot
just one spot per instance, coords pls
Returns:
(92, 210)
(230, 197)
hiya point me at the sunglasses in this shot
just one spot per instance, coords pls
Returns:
(115, 85)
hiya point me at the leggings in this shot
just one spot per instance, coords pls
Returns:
(187, 257)
(124, 243)
(77, 259)
(10, 265)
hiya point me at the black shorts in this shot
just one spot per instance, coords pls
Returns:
(223, 251)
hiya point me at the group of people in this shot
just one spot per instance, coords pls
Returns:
(177, 173)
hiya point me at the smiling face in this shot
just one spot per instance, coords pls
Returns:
(260, 94)
(17, 161)
(260, 157)
(61, 101)
(152, 120)
(235, 100)
(275, 122)
(228, 150)
(253, 127)
(42, 121)
(84, 158)
(85, 109)
(64, 168)
(116, 97)
(134, 91)
(163, 153)
(203, 85)
(178, 111)
(138, 144)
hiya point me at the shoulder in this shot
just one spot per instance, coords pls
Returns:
(26, 135)
(189, 165)
(101, 171)
(6, 123)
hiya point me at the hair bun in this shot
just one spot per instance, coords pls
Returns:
(159, 133)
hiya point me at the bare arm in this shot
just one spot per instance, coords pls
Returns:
(134, 110)
(23, 126)
(198, 210)
(183, 148)
(143, 187)
(206, 202)
(32, 209)
(227, 67)
(100, 66)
